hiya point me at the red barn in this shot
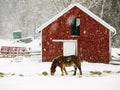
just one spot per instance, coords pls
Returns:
(76, 31)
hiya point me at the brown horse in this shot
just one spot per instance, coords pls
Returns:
(64, 61)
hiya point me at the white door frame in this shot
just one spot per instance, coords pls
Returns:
(68, 41)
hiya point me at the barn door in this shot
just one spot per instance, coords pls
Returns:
(69, 48)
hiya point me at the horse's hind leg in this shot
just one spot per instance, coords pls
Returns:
(79, 67)
(75, 70)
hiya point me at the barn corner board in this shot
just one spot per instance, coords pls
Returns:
(76, 30)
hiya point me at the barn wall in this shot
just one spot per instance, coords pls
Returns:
(93, 42)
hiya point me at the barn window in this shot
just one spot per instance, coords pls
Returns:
(75, 27)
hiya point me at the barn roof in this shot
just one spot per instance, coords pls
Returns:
(112, 29)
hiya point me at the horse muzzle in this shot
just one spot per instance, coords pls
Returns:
(52, 74)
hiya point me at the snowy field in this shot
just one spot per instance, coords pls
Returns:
(28, 75)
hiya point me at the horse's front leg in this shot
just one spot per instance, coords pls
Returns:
(62, 70)
(65, 71)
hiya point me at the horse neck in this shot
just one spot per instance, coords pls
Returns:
(54, 64)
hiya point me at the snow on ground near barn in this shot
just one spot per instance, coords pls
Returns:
(27, 75)
(115, 53)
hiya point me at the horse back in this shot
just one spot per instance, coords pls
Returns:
(71, 60)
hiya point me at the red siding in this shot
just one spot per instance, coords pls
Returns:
(93, 42)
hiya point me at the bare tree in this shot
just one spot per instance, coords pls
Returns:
(116, 40)
(102, 9)
(55, 6)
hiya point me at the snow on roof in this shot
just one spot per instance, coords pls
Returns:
(84, 10)
(17, 31)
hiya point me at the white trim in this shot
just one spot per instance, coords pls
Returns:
(76, 43)
(110, 46)
(64, 40)
(41, 48)
(84, 10)
(76, 47)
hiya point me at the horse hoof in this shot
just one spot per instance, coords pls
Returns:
(74, 74)
(62, 74)
(80, 76)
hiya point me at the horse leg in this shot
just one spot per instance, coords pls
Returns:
(79, 67)
(62, 74)
(75, 70)
(65, 71)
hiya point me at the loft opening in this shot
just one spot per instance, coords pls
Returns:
(75, 26)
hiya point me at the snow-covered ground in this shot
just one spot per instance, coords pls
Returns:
(27, 75)
(115, 53)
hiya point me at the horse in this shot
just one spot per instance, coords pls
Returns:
(66, 61)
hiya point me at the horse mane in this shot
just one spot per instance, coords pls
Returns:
(54, 63)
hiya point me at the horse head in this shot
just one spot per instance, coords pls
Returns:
(53, 67)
